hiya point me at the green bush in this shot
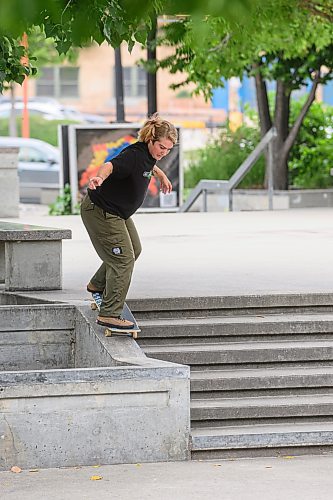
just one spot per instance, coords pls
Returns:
(63, 204)
(221, 158)
(311, 158)
(45, 130)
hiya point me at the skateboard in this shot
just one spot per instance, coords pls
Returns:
(126, 314)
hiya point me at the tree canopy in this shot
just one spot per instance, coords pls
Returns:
(79, 22)
(281, 42)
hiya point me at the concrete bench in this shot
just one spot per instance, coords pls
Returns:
(31, 256)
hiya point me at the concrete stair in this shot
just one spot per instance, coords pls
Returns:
(261, 371)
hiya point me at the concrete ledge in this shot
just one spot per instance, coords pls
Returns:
(31, 256)
(257, 199)
(114, 405)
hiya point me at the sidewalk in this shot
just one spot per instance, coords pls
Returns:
(211, 254)
(294, 478)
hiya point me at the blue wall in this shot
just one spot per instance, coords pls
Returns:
(328, 93)
(220, 99)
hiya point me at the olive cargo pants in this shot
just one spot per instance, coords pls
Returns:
(117, 243)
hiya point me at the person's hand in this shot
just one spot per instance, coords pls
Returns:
(165, 184)
(94, 182)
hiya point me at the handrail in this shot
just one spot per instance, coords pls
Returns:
(227, 187)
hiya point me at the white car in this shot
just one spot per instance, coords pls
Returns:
(49, 110)
(38, 167)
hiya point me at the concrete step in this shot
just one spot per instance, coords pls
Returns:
(246, 353)
(261, 440)
(262, 407)
(180, 307)
(216, 329)
(271, 379)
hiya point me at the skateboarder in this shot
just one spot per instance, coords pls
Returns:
(113, 196)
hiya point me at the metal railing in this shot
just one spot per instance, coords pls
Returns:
(226, 187)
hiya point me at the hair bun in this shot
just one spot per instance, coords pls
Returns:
(155, 118)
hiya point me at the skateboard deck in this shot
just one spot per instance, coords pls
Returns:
(126, 314)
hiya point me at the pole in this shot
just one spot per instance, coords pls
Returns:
(25, 115)
(119, 86)
(151, 77)
(270, 175)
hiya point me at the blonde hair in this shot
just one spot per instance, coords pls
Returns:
(155, 128)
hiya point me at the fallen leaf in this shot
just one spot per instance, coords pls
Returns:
(95, 466)
(268, 467)
(96, 478)
(16, 469)
(137, 465)
(217, 465)
(33, 470)
(288, 457)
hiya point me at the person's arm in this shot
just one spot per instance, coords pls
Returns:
(105, 170)
(165, 184)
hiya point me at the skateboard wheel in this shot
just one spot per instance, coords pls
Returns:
(107, 332)
(135, 335)
(93, 306)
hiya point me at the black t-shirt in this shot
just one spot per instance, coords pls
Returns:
(123, 192)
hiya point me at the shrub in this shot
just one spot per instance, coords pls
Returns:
(311, 158)
(63, 204)
(221, 158)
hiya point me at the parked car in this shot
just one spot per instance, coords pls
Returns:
(38, 168)
(49, 109)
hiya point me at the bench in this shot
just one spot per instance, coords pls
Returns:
(31, 256)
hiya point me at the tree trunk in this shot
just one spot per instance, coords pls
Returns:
(281, 123)
(262, 102)
(265, 120)
(12, 115)
(286, 138)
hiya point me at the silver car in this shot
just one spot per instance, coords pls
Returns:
(38, 169)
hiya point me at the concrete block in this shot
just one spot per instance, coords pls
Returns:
(9, 183)
(33, 265)
(110, 420)
(130, 410)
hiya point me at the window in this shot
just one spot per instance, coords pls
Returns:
(58, 82)
(135, 81)
(28, 154)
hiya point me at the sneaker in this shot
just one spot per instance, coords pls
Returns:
(114, 322)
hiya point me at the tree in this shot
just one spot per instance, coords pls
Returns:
(80, 22)
(281, 43)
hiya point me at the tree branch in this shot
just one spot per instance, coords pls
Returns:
(288, 144)
(222, 44)
(318, 9)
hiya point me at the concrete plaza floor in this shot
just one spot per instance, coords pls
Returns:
(210, 254)
(294, 478)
